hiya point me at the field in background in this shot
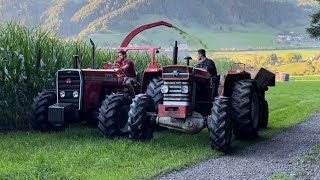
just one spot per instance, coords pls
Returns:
(294, 62)
(306, 78)
(218, 36)
(242, 55)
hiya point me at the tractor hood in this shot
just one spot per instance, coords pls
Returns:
(185, 73)
(102, 75)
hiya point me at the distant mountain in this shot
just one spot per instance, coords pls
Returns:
(80, 18)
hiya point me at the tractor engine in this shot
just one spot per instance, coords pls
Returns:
(79, 91)
(69, 87)
(185, 90)
(69, 90)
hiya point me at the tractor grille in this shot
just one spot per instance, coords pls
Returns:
(175, 95)
(176, 72)
(69, 81)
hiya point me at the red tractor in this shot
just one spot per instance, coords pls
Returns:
(97, 96)
(193, 100)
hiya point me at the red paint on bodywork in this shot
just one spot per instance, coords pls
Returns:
(95, 82)
(174, 111)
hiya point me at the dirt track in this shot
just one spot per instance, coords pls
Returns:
(283, 153)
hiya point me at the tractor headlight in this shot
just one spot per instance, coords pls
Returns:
(75, 94)
(165, 89)
(184, 89)
(62, 94)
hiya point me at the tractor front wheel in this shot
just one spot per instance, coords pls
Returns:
(219, 124)
(154, 90)
(113, 115)
(40, 108)
(140, 125)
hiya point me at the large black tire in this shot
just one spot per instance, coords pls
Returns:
(41, 103)
(265, 115)
(219, 124)
(154, 90)
(246, 108)
(113, 116)
(140, 126)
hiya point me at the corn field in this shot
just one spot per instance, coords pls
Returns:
(28, 62)
(29, 59)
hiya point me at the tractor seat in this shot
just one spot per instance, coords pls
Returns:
(214, 84)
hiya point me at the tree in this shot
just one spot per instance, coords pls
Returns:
(314, 29)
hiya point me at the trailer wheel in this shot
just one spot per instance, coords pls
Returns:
(113, 115)
(41, 103)
(246, 108)
(264, 115)
(154, 90)
(219, 124)
(140, 125)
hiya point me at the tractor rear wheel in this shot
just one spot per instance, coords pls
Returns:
(265, 115)
(41, 103)
(219, 124)
(140, 125)
(246, 108)
(113, 115)
(154, 90)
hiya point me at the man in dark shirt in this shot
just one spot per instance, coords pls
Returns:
(206, 63)
(127, 66)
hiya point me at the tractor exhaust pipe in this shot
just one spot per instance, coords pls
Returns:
(93, 53)
(76, 64)
(188, 60)
(175, 54)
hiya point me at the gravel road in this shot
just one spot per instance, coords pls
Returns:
(283, 153)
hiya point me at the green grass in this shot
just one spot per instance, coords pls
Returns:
(80, 153)
(83, 154)
(313, 156)
(279, 176)
(305, 78)
(290, 103)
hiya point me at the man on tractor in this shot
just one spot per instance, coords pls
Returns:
(127, 66)
(206, 63)
(210, 66)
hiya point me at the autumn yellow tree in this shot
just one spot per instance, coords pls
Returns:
(101, 23)
(53, 21)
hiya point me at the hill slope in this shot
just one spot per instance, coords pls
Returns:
(80, 18)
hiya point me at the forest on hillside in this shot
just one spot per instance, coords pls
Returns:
(82, 17)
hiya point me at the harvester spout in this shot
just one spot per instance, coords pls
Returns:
(133, 33)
